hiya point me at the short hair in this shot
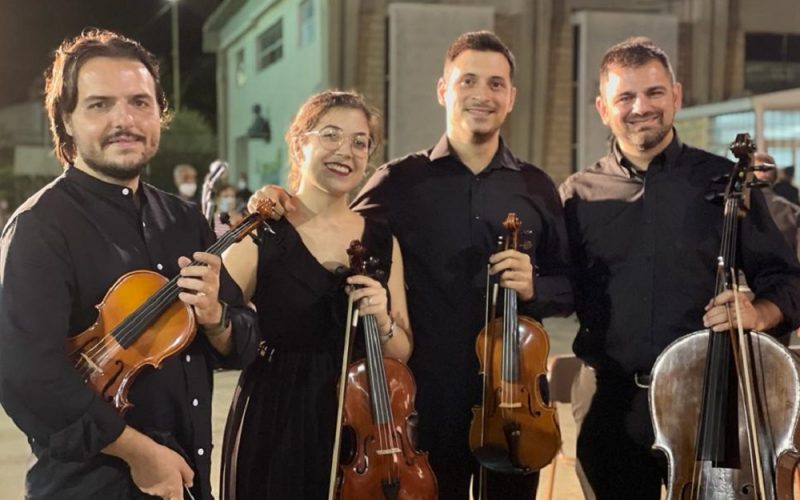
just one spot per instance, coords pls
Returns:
(61, 84)
(633, 52)
(483, 41)
(313, 110)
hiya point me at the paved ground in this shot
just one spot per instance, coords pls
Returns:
(14, 449)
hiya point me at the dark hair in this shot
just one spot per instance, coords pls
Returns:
(484, 41)
(633, 53)
(61, 86)
(309, 115)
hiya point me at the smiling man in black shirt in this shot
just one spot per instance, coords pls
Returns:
(59, 255)
(644, 243)
(446, 206)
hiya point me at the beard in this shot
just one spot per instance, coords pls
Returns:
(124, 170)
(118, 172)
(645, 140)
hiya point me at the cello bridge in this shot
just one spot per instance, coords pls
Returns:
(389, 451)
(510, 405)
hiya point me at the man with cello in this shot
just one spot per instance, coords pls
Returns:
(64, 249)
(644, 241)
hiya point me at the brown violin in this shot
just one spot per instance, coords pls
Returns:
(515, 430)
(377, 410)
(725, 405)
(142, 322)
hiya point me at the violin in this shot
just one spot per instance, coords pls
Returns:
(515, 429)
(725, 405)
(142, 322)
(376, 410)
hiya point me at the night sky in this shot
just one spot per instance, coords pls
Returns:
(31, 29)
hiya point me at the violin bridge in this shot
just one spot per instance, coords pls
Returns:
(92, 364)
(390, 451)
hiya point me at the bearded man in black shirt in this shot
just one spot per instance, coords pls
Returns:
(644, 243)
(62, 251)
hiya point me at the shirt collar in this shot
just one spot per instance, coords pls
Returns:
(503, 158)
(102, 188)
(667, 158)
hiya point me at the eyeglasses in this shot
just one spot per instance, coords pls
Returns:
(332, 138)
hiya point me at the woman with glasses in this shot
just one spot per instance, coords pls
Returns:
(280, 431)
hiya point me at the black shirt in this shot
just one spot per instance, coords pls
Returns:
(59, 255)
(446, 220)
(644, 248)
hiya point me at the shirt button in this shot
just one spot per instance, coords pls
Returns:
(188, 358)
(144, 224)
(201, 451)
(195, 402)
(159, 267)
(477, 217)
(125, 191)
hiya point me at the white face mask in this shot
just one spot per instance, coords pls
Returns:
(242, 184)
(187, 189)
(226, 204)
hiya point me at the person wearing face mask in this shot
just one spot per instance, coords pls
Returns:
(227, 215)
(185, 177)
(280, 432)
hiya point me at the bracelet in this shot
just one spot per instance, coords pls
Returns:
(218, 329)
(386, 338)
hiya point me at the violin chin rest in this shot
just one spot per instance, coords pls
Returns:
(496, 459)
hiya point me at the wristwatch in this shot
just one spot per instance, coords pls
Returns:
(219, 328)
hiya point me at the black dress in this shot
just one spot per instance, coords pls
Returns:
(280, 429)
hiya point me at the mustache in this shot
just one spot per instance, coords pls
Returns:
(640, 118)
(119, 135)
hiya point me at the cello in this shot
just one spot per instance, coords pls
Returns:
(142, 322)
(376, 408)
(515, 429)
(725, 405)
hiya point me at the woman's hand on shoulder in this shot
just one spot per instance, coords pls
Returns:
(283, 200)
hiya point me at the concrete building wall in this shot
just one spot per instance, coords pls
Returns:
(418, 39)
(596, 32)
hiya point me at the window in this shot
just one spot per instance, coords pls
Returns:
(270, 46)
(772, 61)
(725, 127)
(306, 22)
(241, 73)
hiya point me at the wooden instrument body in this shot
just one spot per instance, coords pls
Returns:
(527, 434)
(383, 451)
(678, 377)
(108, 367)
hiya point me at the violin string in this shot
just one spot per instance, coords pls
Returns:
(380, 387)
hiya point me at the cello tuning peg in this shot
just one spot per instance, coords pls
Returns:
(758, 184)
(714, 196)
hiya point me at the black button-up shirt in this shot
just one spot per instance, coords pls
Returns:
(645, 246)
(447, 220)
(59, 255)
